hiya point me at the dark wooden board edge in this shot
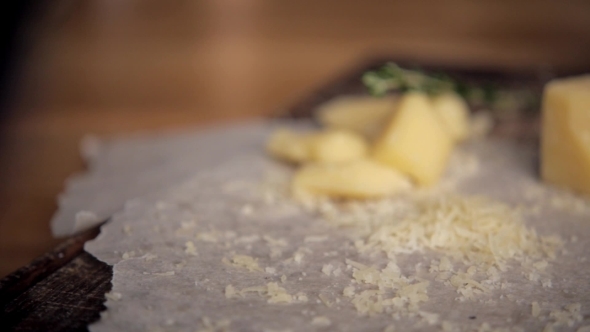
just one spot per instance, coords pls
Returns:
(349, 82)
(40, 268)
(67, 300)
(65, 288)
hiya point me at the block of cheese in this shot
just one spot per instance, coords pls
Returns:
(362, 114)
(565, 136)
(357, 179)
(337, 146)
(322, 146)
(454, 114)
(415, 140)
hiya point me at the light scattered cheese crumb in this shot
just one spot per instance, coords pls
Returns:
(247, 210)
(321, 321)
(248, 239)
(188, 224)
(275, 242)
(189, 248)
(374, 301)
(445, 264)
(449, 327)
(211, 237)
(348, 291)
(549, 328)
(541, 265)
(128, 254)
(315, 238)
(467, 286)
(277, 294)
(148, 257)
(127, 229)
(230, 292)
(389, 328)
(568, 316)
(430, 318)
(535, 309)
(248, 262)
(218, 326)
(325, 300)
(327, 269)
(298, 257)
(276, 252)
(113, 296)
(301, 297)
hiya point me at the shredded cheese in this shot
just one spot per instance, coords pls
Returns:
(190, 249)
(248, 262)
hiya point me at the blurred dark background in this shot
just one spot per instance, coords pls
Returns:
(71, 67)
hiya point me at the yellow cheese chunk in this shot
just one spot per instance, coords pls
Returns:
(415, 141)
(454, 113)
(323, 146)
(565, 137)
(337, 146)
(357, 179)
(362, 114)
(289, 146)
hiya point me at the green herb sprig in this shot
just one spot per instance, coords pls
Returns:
(391, 77)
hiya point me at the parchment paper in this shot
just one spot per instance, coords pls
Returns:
(167, 250)
(124, 168)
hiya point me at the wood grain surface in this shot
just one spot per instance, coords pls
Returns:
(109, 67)
(62, 290)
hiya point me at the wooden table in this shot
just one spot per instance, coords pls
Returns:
(109, 67)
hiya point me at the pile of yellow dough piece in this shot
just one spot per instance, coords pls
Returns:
(372, 147)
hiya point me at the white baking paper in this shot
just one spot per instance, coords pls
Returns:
(167, 250)
(124, 168)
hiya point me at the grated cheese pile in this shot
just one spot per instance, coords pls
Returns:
(482, 236)
(471, 230)
(475, 238)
